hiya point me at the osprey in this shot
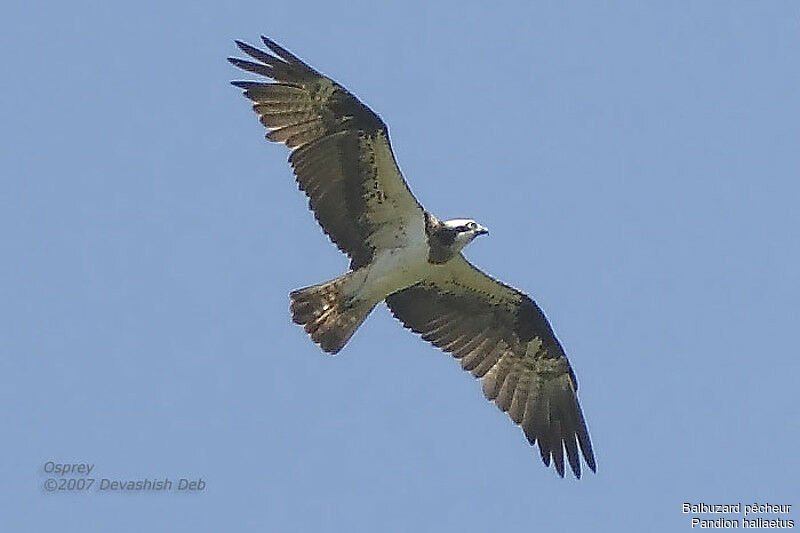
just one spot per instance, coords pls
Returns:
(403, 255)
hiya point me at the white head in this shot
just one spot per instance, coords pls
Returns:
(465, 231)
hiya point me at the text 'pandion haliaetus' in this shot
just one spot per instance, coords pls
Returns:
(403, 255)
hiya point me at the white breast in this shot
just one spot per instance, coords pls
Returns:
(394, 269)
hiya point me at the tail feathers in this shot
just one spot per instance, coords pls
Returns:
(327, 315)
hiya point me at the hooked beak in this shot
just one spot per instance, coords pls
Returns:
(482, 230)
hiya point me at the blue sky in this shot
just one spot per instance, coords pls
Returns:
(636, 162)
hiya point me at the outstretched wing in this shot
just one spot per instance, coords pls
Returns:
(341, 154)
(502, 336)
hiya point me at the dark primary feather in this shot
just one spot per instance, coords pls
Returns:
(334, 138)
(501, 336)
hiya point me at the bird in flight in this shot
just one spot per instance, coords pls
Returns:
(403, 255)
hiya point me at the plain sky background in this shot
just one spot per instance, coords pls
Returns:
(637, 163)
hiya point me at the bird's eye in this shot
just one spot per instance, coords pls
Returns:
(472, 225)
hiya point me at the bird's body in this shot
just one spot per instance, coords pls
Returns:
(395, 269)
(402, 254)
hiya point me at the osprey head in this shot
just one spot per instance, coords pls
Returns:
(465, 231)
